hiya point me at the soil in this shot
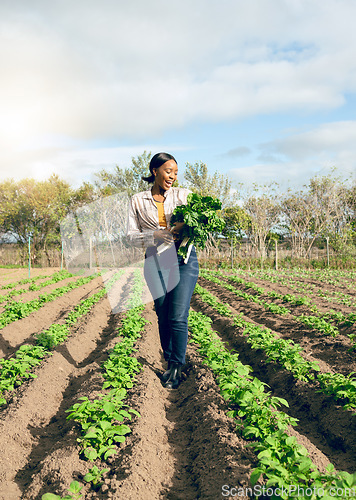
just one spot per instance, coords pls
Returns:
(21, 331)
(183, 447)
(12, 275)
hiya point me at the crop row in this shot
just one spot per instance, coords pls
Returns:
(337, 317)
(287, 354)
(118, 371)
(18, 310)
(296, 300)
(15, 370)
(24, 281)
(283, 463)
(55, 278)
(304, 287)
(299, 276)
(314, 322)
(330, 276)
(102, 420)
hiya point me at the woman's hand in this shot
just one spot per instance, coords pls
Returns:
(176, 230)
(163, 236)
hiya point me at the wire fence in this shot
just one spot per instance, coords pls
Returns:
(216, 254)
(280, 254)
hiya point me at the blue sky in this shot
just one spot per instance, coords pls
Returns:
(262, 91)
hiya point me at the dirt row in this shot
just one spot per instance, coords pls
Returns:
(336, 287)
(20, 331)
(320, 302)
(11, 275)
(32, 295)
(326, 424)
(333, 352)
(183, 447)
(167, 456)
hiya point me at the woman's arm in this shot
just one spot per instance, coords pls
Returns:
(143, 237)
(135, 236)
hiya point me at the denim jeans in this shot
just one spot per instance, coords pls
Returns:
(172, 286)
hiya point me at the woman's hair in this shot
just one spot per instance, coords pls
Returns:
(156, 161)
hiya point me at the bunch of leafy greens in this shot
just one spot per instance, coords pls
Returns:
(200, 220)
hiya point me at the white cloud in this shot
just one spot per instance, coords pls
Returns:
(118, 70)
(297, 157)
(292, 174)
(89, 68)
(327, 140)
(77, 164)
(236, 152)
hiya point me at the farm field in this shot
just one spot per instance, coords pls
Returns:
(181, 444)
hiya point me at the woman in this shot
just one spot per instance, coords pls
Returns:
(171, 279)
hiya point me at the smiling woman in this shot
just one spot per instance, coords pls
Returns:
(157, 161)
(170, 278)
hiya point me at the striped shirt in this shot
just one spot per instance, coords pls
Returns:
(143, 214)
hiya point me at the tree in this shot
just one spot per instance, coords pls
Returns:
(200, 181)
(322, 210)
(236, 222)
(263, 211)
(127, 180)
(350, 201)
(335, 222)
(85, 194)
(297, 216)
(34, 209)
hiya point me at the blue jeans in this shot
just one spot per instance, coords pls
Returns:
(173, 302)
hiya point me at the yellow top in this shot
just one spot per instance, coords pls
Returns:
(161, 217)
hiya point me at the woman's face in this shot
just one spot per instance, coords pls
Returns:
(166, 174)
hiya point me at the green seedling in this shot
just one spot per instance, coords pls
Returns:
(102, 419)
(95, 475)
(340, 387)
(18, 310)
(73, 493)
(14, 371)
(282, 461)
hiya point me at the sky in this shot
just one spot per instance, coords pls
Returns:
(259, 90)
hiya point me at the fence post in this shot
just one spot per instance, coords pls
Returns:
(327, 250)
(276, 247)
(62, 256)
(232, 255)
(29, 256)
(90, 253)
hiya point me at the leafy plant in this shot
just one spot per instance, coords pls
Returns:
(102, 419)
(287, 353)
(319, 324)
(14, 371)
(200, 221)
(282, 461)
(340, 387)
(95, 475)
(73, 493)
